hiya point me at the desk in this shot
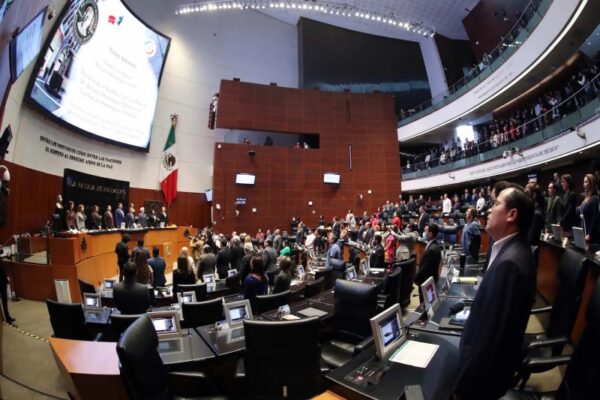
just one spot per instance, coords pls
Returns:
(89, 369)
(437, 380)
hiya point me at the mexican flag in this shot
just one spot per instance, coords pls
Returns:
(168, 166)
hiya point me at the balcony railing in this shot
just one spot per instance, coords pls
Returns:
(571, 112)
(527, 22)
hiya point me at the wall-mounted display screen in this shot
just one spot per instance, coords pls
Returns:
(245, 179)
(330, 177)
(209, 195)
(26, 45)
(99, 72)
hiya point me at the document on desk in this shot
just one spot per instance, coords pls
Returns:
(416, 354)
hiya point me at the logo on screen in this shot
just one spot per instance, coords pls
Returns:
(85, 21)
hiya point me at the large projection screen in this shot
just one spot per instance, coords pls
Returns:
(99, 73)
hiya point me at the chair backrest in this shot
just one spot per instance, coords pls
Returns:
(67, 320)
(326, 274)
(355, 303)
(282, 358)
(141, 367)
(85, 287)
(571, 275)
(120, 322)
(202, 313)
(583, 372)
(233, 284)
(409, 269)
(199, 289)
(271, 301)
(314, 288)
(393, 288)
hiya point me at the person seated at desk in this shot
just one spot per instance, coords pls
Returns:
(256, 283)
(158, 266)
(183, 275)
(490, 345)
(430, 261)
(283, 280)
(130, 296)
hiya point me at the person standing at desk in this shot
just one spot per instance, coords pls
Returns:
(377, 257)
(423, 219)
(471, 236)
(131, 297)
(183, 275)
(432, 256)
(334, 259)
(130, 218)
(568, 203)
(119, 216)
(589, 211)
(122, 254)
(96, 218)
(490, 346)
(158, 266)
(107, 219)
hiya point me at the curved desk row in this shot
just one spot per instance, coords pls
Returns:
(90, 257)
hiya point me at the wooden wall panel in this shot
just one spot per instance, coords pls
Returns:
(32, 196)
(286, 178)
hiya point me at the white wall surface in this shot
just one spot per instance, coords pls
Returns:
(205, 48)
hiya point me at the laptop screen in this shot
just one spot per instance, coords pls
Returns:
(237, 314)
(579, 237)
(164, 325)
(429, 293)
(388, 333)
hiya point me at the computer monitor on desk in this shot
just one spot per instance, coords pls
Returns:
(166, 324)
(351, 274)
(388, 332)
(235, 314)
(579, 237)
(91, 302)
(557, 232)
(186, 297)
(108, 285)
(430, 295)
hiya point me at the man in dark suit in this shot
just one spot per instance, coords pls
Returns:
(122, 254)
(269, 256)
(131, 297)
(158, 266)
(430, 261)
(377, 258)
(108, 220)
(490, 346)
(423, 219)
(334, 260)
(130, 218)
(223, 260)
(142, 219)
(119, 215)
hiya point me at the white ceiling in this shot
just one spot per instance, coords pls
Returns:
(445, 16)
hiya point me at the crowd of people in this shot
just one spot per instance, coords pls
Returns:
(88, 218)
(577, 90)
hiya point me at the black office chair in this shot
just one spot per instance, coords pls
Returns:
(355, 303)
(409, 269)
(282, 359)
(202, 313)
(200, 290)
(313, 288)
(271, 276)
(68, 321)
(85, 287)
(120, 322)
(572, 270)
(391, 289)
(270, 302)
(142, 370)
(233, 284)
(327, 275)
(583, 371)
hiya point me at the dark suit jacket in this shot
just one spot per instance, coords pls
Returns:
(122, 253)
(568, 203)
(108, 220)
(182, 279)
(377, 259)
(490, 346)
(158, 266)
(430, 263)
(223, 261)
(131, 298)
(422, 222)
(119, 217)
